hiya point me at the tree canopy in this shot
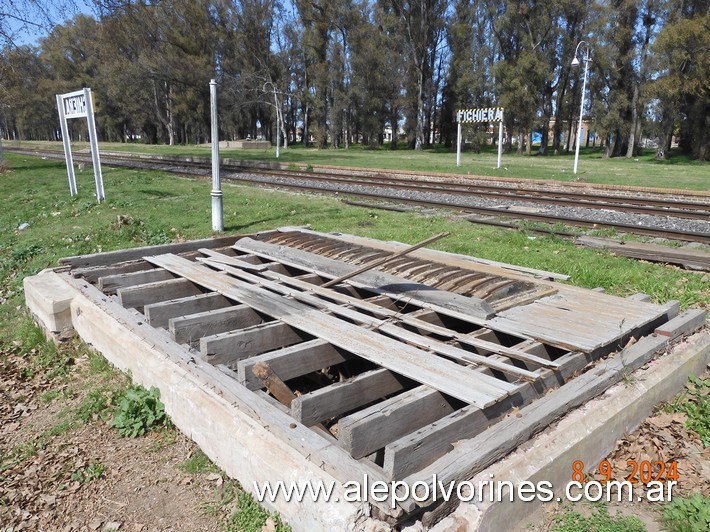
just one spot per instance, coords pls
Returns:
(346, 71)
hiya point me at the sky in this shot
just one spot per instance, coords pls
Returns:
(58, 12)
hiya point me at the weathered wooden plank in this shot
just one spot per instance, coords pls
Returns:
(689, 258)
(291, 362)
(124, 255)
(333, 400)
(139, 296)
(407, 336)
(228, 348)
(472, 456)
(386, 352)
(92, 274)
(372, 428)
(382, 282)
(456, 259)
(159, 314)
(110, 283)
(484, 383)
(103, 320)
(189, 329)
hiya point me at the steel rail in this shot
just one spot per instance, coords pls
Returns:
(178, 166)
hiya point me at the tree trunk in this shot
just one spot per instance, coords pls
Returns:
(633, 139)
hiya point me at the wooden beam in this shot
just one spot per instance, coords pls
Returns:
(335, 399)
(110, 283)
(189, 329)
(159, 314)
(103, 320)
(379, 262)
(472, 456)
(92, 274)
(291, 362)
(228, 348)
(394, 331)
(383, 283)
(372, 428)
(139, 296)
(124, 255)
(406, 360)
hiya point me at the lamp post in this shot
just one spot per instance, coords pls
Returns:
(278, 124)
(575, 62)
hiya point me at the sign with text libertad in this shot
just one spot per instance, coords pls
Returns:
(78, 104)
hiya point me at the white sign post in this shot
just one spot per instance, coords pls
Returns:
(79, 104)
(477, 116)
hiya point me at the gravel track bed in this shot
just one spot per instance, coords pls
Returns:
(605, 216)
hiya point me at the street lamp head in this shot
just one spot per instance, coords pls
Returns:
(575, 61)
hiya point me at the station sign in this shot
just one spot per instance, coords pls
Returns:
(74, 106)
(472, 116)
(479, 116)
(78, 104)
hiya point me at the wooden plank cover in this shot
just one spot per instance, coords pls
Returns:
(434, 371)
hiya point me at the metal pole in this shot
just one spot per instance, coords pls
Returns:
(581, 110)
(217, 218)
(94, 142)
(278, 127)
(67, 146)
(458, 146)
(500, 142)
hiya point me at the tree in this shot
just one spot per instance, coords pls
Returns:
(682, 58)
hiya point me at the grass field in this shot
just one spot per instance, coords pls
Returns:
(644, 171)
(146, 208)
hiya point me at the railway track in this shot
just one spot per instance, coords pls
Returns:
(452, 193)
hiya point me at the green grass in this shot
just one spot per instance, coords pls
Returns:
(694, 402)
(198, 463)
(144, 208)
(600, 520)
(644, 170)
(690, 514)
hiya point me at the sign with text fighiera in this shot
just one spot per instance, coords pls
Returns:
(473, 116)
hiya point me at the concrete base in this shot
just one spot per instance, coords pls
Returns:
(588, 434)
(250, 448)
(224, 422)
(48, 297)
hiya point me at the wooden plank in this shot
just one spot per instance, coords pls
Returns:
(381, 282)
(428, 343)
(104, 320)
(124, 255)
(471, 456)
(93, 274)
(139, 296)
(110, 283)
(273, 383)
(335, 399)
(411, 362)
(372, 428)
(383, 326)
(684, 256)
(291, 362)
(418, 449)
(228, 348)
(464, 261)
(189, 329)
(159, 314)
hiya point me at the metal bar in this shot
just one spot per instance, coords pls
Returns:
(381, 261)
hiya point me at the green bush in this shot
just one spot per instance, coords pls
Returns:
(690, 514)
(138, 411)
